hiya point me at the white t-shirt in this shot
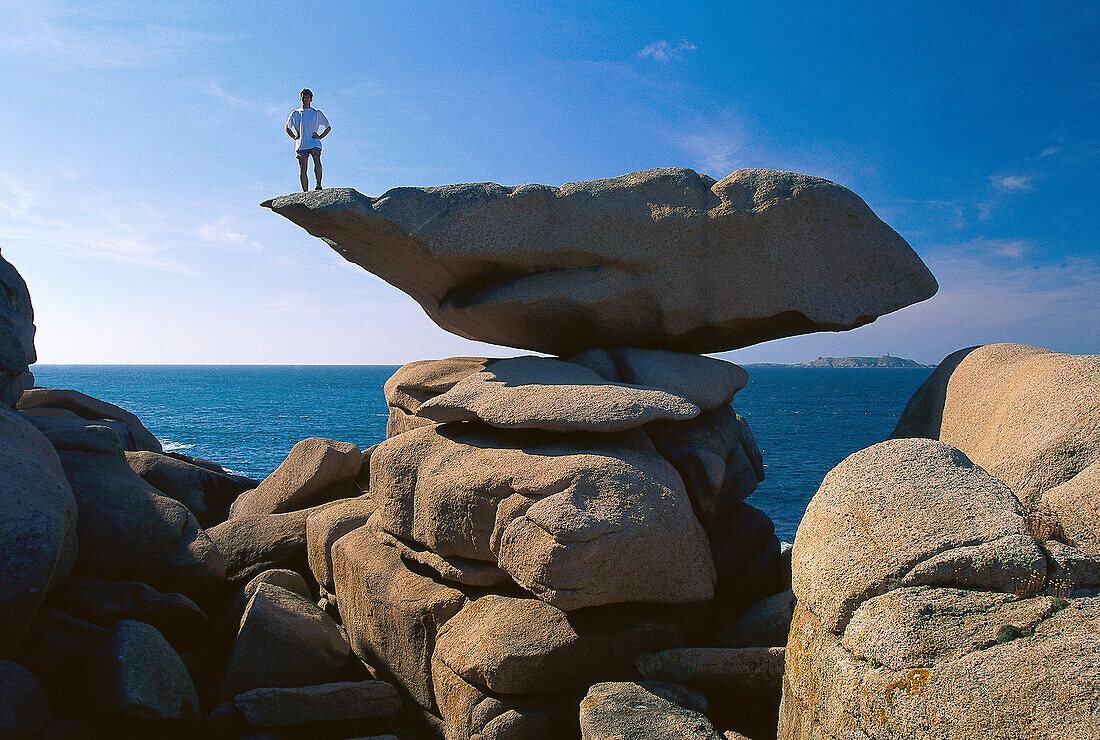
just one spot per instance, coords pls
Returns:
(306, 122)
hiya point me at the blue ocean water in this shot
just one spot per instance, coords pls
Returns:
(246, 418)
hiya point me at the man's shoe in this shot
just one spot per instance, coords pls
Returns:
(317, 188)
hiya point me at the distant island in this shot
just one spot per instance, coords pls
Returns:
(884, 361)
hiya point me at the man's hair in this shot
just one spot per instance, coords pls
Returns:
(306, 91)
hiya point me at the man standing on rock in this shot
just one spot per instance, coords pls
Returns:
(302, 126)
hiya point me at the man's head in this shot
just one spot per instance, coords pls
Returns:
(307, 97)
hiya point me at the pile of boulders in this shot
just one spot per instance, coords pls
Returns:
(543, 547)
(555, 519)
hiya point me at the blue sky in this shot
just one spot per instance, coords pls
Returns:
(143, 136)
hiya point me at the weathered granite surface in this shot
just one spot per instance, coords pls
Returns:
(662, 259)
(924, 610)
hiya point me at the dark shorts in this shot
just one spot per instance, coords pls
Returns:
(306, 152)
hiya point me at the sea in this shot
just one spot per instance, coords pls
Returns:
(246, 417)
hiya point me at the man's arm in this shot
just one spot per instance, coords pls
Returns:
(291, 134)
(323, 134)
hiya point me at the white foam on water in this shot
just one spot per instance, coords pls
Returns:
(169, 446)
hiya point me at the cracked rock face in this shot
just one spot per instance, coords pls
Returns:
(892, 513)
(929, 665)
(661, 259)
(578, 520)
(916, 593)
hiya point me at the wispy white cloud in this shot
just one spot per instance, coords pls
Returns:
(215, 90)
(100, 238)
(1050, 151)
(718, 151)
(89, 37)
(664, 51)
(1008, 248)
(103, 227)
(722, 143)
(1008, 183)
(15, 199)
(1002, 188)
(1050, 304)
(266, 107)
(226, 232)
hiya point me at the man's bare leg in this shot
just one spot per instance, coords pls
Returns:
(303, 160)
(316, 166)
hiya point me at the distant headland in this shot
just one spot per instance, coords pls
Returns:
(886, 361)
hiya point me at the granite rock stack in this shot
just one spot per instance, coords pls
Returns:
(539, 523)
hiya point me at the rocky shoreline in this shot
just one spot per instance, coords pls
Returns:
(558, 547)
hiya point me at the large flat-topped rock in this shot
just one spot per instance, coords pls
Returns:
(544, 393)
(662, 259)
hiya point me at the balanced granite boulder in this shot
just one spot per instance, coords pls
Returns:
(662, 259)
(37, 528)
(16, 335)
(544, 507)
